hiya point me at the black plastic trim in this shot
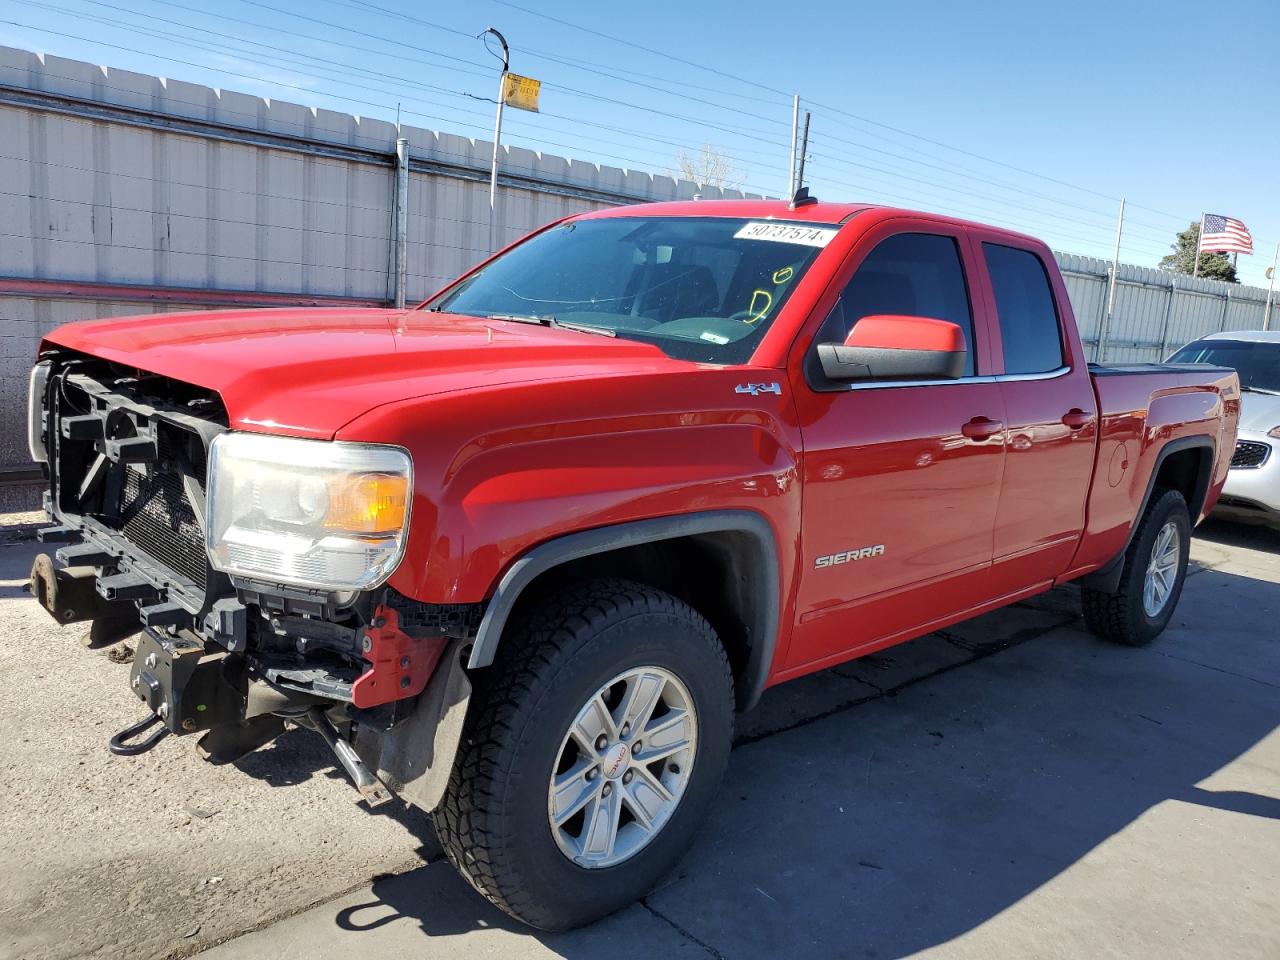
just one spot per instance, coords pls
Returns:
(574, 546)
(843, 364)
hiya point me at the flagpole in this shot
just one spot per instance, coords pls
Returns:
(1195, 269)
(1271, 289)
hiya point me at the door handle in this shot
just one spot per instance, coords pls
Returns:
(1075, 418)
(981, 428)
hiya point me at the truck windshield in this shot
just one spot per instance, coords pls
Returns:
(1258, 364)
(699, 288)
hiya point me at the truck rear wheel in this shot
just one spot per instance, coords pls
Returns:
(1155, 567)
(590, 755)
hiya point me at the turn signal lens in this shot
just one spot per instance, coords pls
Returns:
(367, 503)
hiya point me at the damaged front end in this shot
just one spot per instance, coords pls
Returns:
(252, 616)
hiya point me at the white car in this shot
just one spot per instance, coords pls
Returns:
(1253, 485)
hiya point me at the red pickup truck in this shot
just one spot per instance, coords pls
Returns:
(518, 554)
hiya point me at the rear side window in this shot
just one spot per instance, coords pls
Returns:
(1024, 302)
(911, 274)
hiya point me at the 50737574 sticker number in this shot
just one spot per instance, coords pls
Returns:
(786, 233)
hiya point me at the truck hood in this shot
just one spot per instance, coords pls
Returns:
(1259, 412)
(307, 372)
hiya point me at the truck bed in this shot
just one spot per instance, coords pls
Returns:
(1148, 411)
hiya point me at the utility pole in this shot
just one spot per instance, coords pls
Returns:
(1111, 293)
(1271, 289)
(497, 129)
(402, 221)
(795, 129)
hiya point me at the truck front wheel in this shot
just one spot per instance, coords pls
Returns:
(591, 754)
(1155, 567)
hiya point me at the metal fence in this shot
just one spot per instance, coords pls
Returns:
(1155, 311)
(123, 193)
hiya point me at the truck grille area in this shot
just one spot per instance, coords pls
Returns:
(158, 517)
(1250, 454)
(128, 464)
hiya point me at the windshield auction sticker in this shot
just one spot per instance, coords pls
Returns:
(786, 233)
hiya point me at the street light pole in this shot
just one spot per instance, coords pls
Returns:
(497, 129)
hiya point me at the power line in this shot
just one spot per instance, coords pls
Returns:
(640, 46)
(339, 68)
(596, 69)
(832, 109)
(538, 139)
(950, 171)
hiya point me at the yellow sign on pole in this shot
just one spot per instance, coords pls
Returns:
(521, 92)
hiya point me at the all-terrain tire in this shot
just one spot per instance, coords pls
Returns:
(493, 821)
(1120, 616)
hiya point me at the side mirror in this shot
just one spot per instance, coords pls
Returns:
(885, 346)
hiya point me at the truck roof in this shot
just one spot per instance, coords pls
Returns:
(819, 211)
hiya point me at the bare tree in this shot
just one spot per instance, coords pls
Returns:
(709, 168)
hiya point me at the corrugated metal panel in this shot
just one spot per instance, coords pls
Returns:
(1138, 328)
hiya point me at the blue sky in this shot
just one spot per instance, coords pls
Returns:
(1031, 115)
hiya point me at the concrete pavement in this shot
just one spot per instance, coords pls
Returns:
(1012, 787)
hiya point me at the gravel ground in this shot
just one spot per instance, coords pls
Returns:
(158, 855)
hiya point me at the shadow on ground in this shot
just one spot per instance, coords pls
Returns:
(1254, 535)
(905, 799)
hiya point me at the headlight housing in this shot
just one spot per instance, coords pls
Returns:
(1274, 432)
(35, 411)
(324, 515)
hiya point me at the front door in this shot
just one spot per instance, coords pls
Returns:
(900, 479)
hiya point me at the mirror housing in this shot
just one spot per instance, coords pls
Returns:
(893, 347)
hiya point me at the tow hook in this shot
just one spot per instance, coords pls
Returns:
(371, 788)
(120, 746)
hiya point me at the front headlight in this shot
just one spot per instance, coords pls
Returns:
(1274, 432)
(325, 515)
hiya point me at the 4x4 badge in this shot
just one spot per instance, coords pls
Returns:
(755, 389)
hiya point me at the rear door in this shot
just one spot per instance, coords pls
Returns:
(1050, 411)
(899, 498)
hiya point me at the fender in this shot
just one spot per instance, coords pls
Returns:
(1107, 577)
(762, 569)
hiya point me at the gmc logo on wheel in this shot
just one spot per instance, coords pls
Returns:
(862, 553)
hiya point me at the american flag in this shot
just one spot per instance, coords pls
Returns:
(1224, 235)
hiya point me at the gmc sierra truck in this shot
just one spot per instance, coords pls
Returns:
(519, 553)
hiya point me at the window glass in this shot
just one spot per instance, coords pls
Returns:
(699, 288)
(1029, 326)
(1258, 364)
(911, 274)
